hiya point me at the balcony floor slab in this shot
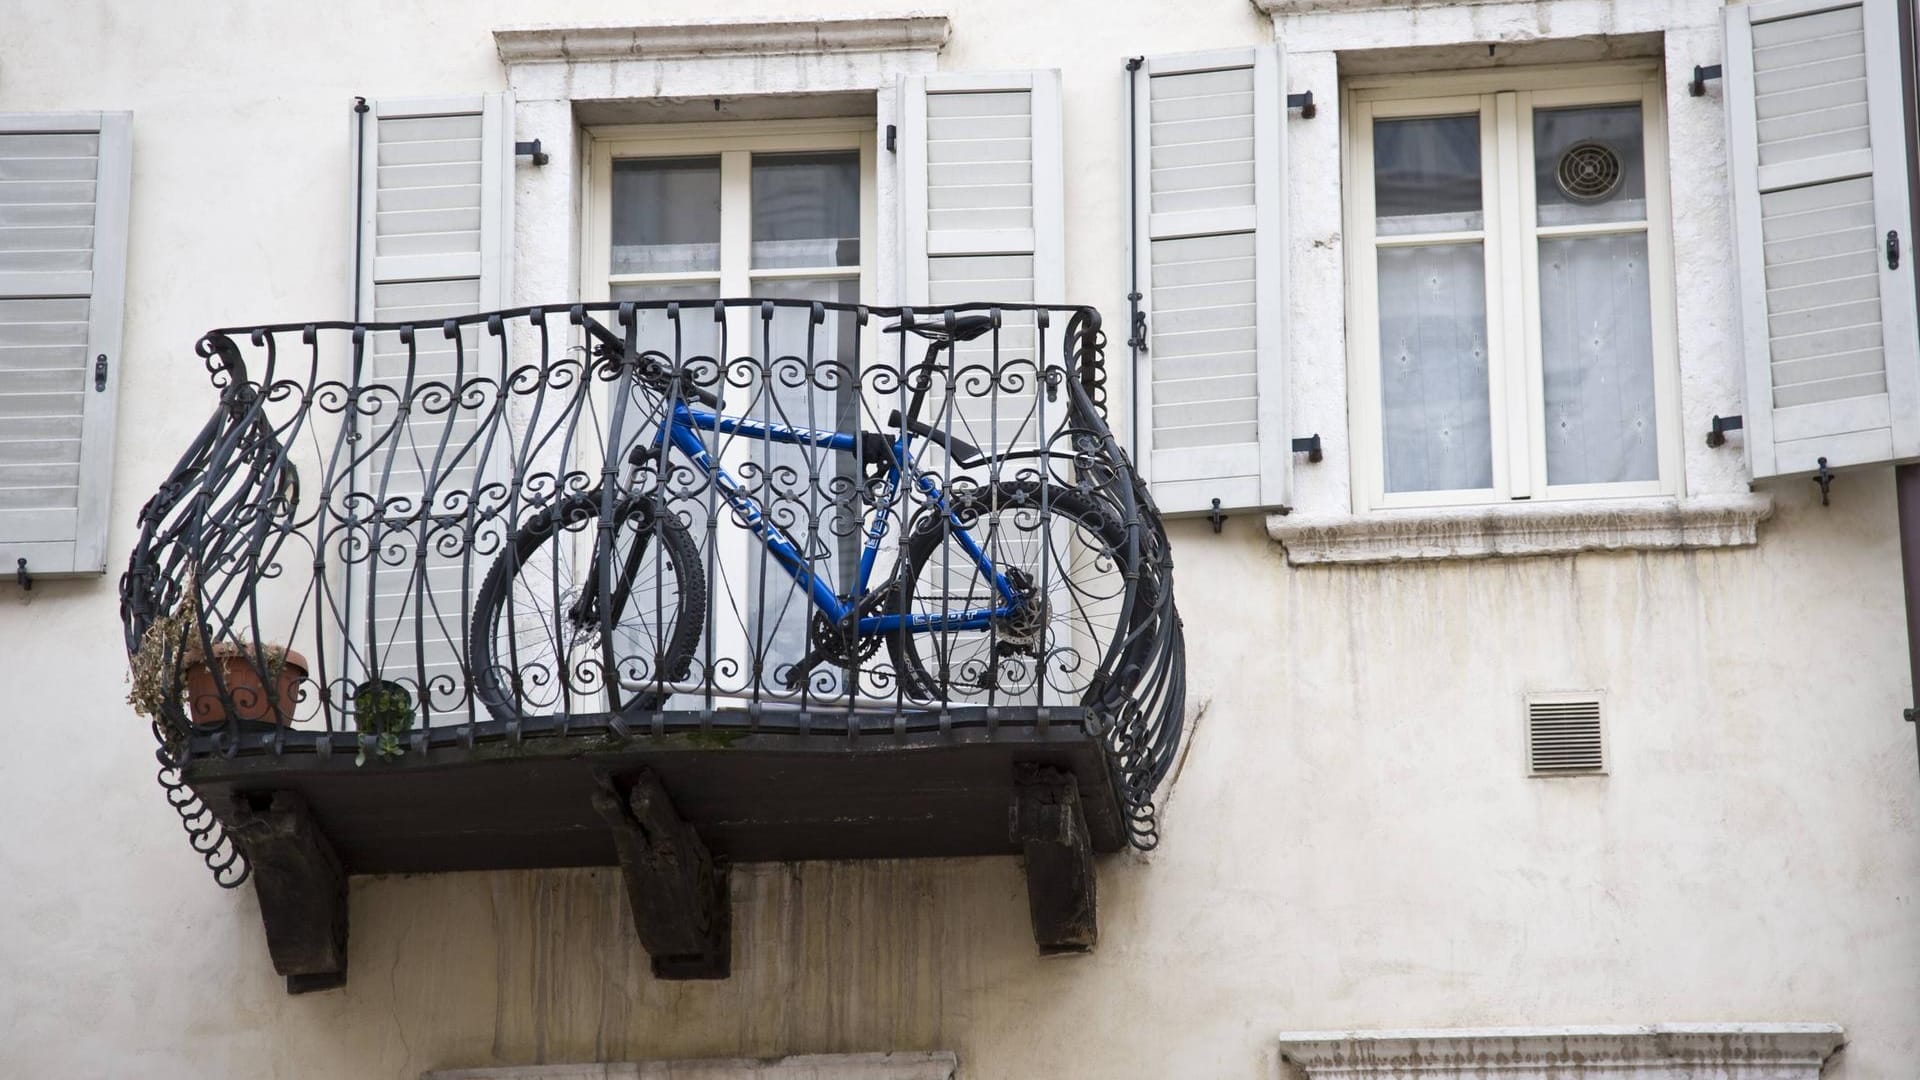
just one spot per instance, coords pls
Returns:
(479, 798)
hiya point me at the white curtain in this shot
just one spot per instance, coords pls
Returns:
(1433, 368)
(1596, 340)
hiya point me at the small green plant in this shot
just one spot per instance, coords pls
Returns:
(383, 709)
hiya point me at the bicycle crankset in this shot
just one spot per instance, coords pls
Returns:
(838, 643)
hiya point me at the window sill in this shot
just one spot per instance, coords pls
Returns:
(1654, 1052)
(1309, 7)
(905, 1066)
(728, 37)
(1479, 532)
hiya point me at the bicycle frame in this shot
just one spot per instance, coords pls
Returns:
(682, 433)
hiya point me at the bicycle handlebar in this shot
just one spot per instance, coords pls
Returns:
(652, 373)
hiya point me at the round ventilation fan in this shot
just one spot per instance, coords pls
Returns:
(1589, 172)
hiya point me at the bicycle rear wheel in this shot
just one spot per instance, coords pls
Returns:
(1062, 549)
(535, 651)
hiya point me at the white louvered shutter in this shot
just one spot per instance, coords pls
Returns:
(65, 180)
(983, 187)
(983, 218)
(434, 235)
(1818, 166)
(1210, 184)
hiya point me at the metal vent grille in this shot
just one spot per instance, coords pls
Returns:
(1566, 735)
(1589, 172)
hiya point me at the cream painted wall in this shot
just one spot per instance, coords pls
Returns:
(1349, 842)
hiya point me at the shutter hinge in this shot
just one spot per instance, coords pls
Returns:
(20, 575)
(893, 136)
(532, 150)
(1721, 425)
(1893, 250)
(1304, 102)
(1698, 87)
(100, 374)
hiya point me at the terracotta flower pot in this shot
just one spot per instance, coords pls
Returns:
(242, 678)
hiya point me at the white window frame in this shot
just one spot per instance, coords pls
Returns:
(734, 142)
(1504, 101)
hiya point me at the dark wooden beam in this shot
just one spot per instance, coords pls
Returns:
(301, 886)
(1051, 830)
(678, 893)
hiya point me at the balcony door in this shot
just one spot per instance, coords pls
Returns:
(779, 210)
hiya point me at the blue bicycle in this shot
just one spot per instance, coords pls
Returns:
(1005, 585)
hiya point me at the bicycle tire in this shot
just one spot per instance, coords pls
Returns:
(921, 681)
(662, 527)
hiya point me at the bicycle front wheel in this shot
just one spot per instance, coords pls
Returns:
(1060, 549)
(539, 644)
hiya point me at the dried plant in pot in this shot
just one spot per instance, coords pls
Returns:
(173, 678)
(262, 683)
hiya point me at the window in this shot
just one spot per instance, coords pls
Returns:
(1510, 321)
(780, 210)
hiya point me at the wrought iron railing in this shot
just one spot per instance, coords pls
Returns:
(557, 521)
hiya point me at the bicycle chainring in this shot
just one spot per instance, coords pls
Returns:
(838, 643)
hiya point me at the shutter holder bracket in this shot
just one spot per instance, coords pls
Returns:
(1304, 102)
(532, 150)
(26, 580)
(1698, 87)
(1717, 437)
(1310, 446)
(1214, 515)
(1136, 323)
(1825, 479)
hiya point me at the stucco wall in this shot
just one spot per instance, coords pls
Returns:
(1350, 841)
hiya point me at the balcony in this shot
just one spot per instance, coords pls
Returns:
(557, 587)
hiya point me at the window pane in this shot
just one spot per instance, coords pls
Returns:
(1590, 164)
(1435, 418)
(1596, 341)
(699, 333)
(806, 210)
(666, 215)
(1426, 175)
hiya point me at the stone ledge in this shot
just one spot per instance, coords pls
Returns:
(666, 41)
(1651, 1052)
(1314, 7)
(1478, 532)
(907, 1066)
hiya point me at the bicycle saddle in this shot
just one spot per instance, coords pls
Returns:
(965, 328)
